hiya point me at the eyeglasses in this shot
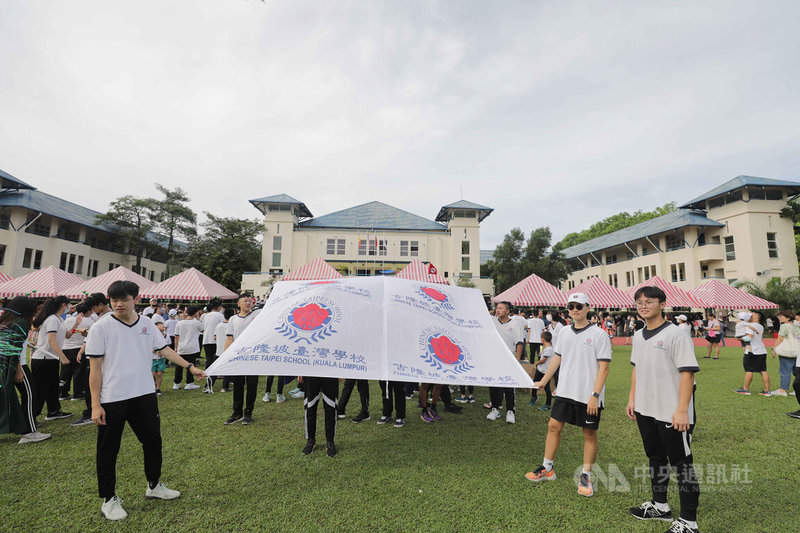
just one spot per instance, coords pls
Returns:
(572, 306)
(647, 303)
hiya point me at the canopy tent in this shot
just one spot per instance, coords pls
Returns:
(719, 295)
(601, 294)
(190, 284)
(45, 283)
(5, 277)
(101, 283)
(676, 297)
(418, 271)
(532, 291)
(316, 269)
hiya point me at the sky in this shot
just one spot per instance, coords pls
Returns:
(554, 114)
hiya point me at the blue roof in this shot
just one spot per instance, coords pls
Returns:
(371, 216)
(737, 183)
(281, 199)
(483, 211)
(7, 181)
(56, 207)
(679, 218)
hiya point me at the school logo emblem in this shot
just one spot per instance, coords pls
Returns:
(588, 341)
(144, 331)
(442, 351)
(310, 321)
(431, 294)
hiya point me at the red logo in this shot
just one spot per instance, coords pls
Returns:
(310, 316)
(433, 293)
(445, 350)
(321, 282)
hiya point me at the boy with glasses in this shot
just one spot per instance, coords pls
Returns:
(583, 353)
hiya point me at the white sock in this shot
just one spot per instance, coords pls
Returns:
(663, 507)
(585, 472)
(547, 464)
(692, 525)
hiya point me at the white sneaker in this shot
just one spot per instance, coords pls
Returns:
(176, 386)
(510, 417)
(779, 392)
(34, 436)
(266, 397)
(112, 509)
(494, 414)
(280, 398)
(161, 492)
(191, 386)
(298, 395)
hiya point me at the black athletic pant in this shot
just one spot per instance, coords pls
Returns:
(665, 446)
(80, 380)
(191, 358)
(796, 385)
(211, 353)
(238, 394)
(496, 395)
(467, 389)
(27, 392)
(270, 379)
(395, 392)
(445, 395)
(535, 347)
(548, 388)
(45, 376)
(347, 390)
(325, 390)
(67, 372)
(141, 413)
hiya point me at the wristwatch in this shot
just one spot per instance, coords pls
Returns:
(190, 366)
(596, 394)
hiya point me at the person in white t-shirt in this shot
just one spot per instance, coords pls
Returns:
(44, 361)
(535, 329)
(661, 401)
(210, 320)
(541, 369)
(221, 338)
(513, 334)
(756, 359)
(159, 364)
(187, 337)
(584, 354)
(683, 325)
(171, 323)
(120, 349)
(152, 308)
(76, 328)
(242, 407)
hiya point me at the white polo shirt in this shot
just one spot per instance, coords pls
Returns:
(554, 328)
(51, 324)
(660, 355)
(547, 355)
(127, 353)
(237, 323)
(581, 351)
(512, 333)
(76, 340)
(189, 332)
(210, 322)
(685, 328)
(757, 343)
(535, 329)
(221, 336)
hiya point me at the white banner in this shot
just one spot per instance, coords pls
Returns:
(374, 328)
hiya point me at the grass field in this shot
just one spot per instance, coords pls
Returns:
(462, 474)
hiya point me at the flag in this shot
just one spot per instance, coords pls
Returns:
(432, 269)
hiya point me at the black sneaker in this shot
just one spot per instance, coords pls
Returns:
(82, 421)
(649, 511)
(57, 415)
(360, 417)
(330, 449)
(679, 526)
(233, 419)
(450, 408)
(341, 416)
(384, 420)
(158, 392)
(247, 420)
(400, 422)
(795, 414)
(309, 447)
(76, 397)
(64, 397)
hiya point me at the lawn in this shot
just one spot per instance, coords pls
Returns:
(464, 473)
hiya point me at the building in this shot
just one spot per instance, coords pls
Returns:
(369, 239)
(732, 232)
(38, 230)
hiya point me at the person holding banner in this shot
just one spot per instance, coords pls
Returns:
(585, 354)
(236, 325)
(325, 389)
(513, 334)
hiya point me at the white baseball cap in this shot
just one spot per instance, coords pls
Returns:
(744, 315)
(682, 317)
(578, 297)
(173, 312)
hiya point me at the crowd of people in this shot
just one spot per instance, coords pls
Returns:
(102, 351)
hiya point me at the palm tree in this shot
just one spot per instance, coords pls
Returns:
(784, 292)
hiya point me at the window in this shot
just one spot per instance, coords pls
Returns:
(79, 268)
(330, 246)
(465, 263)
(732, 282)
(111, 267)
(38, 228)
(66, 232)
(274, 208)
(152, 275)
(362, 247)
(701, 239)
(730, 251)
(774, 194)
(91, 267)
(276, 259)
(414, 248)
(277, 241)
(362, 272)
(652, 270)
(71, 263)
(382, 249)
(463, 213)
(340, 247)
(464, 247)
(629, 255)
(772, 244)
(371, 246)
(2, 253)
(26, 258)
(403, 248)
(611, 259)
(163, 276)
(143, 273)
(629, 279)
(63, 263)
(674, 242)
(5, 221)
(37, 260)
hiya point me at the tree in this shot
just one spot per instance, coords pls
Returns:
(174, 218)
(228, 247)
(784, 292)
(612, 224)
(517, 258)
(133, 220)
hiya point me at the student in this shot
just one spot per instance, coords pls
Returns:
(584, 352)
(220, 337)
(541, 370)
(535, 329)
(151, 309)
(325, 390)
(513, 336)
(98, 303)
(159, 364)
(187, 337)
(210, 321)
(347, 390)
(76, 328)
(430, 414)
(661, 401)
(683, 325)
(712, 335)
(171, 323)
(786, 350)
(393, 390)
(44, 361)
(236, 326)
(120, 348)
(756, 359)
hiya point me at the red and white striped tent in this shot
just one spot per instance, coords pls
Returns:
(316, 269)
(45, 283)
(719, 295)
(418, 271)
(101, 283)
(676, 297)
(5, 277)
(190, 284)
(531, 292)
(603, 295)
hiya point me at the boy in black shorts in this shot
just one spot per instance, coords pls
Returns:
(755, 357)
(584, 354)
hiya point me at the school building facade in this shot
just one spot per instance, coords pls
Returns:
(734, 232)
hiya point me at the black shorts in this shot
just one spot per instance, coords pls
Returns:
(574, 413)
(661, 440)
(712, 340)
(755, 363)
